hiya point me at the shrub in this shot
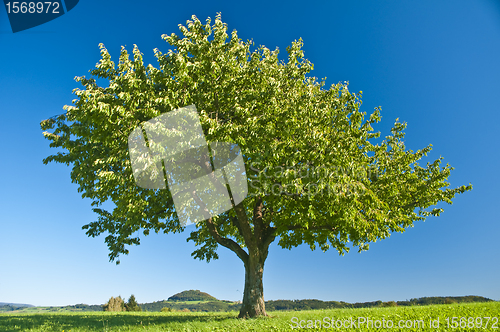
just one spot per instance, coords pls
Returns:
(389, 304)
(115, 304)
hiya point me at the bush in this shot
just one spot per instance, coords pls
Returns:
(115, 304)
(166, 309)
(389, 304)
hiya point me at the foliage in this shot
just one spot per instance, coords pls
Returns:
(444, 300)
(84, 307)
(276, 114)
(132, 305)
(389, 304)
(114, 304)
(304, 305)
(199, 306)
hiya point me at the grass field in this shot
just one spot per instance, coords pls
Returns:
(278, 321)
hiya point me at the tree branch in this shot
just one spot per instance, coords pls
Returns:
(244, 226)
(257, 218)
(225, 242)
(268, 236)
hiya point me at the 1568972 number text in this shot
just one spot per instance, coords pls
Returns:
(32, 7)
(472, 322)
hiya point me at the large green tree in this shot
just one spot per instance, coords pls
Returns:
(318, 173)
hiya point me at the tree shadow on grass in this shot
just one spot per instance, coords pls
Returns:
(111, 321)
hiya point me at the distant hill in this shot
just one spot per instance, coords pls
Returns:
(32, 309)
(192, 295)
(16, 304)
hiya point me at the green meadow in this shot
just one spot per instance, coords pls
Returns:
(468, 317)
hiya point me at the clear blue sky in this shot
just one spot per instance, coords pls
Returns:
(433, 64)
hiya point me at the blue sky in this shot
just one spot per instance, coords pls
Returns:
(433, 64)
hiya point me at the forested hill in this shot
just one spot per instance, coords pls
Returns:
(192, 295)
(16, 304)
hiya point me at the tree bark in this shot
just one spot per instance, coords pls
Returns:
(253, 296)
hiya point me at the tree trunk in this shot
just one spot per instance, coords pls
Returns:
(253, 296)
(257, 242)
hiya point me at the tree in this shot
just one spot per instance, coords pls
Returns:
(317, 171)
(132, 304)
(114, 304)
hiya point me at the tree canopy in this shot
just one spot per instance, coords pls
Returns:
(317, 171)
(114, 304)
(132, 304)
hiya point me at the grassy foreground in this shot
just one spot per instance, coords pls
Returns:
(278, 321)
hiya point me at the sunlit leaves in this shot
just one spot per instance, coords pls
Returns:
(310, 152)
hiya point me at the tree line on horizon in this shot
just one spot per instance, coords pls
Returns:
(223, 306)
(318, 304)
